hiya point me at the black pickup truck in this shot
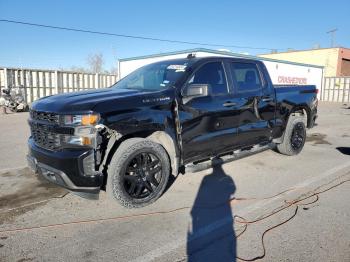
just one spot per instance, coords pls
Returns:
(161, 119)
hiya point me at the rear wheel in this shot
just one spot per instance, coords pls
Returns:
(294, 136)
(138, 173)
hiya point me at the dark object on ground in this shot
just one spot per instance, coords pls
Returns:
(344, 150)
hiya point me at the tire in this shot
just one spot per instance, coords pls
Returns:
(294, 136)
(138, 165)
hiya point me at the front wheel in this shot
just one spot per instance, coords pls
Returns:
(294, 137)
(138, 173)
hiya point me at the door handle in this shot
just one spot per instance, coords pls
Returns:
(267, 99)
(229, 104)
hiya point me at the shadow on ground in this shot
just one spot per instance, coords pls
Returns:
(344, 150)
(211, 235)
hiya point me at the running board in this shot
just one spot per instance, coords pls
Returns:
(235, 155)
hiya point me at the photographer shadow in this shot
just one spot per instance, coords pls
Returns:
(211, 235)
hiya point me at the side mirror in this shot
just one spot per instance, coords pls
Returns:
(196, 90)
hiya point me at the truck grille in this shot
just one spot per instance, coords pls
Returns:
(42, 126)
(44, 138)
(44, 116)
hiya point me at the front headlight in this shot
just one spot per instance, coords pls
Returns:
(84, 120)
(84, 130)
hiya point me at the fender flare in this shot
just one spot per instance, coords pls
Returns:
(160, 137)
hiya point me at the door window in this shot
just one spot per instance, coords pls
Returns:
(246, 76)
(212, 74)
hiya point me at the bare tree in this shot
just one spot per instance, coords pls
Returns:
(114, 70)
(79, 69)
(95, 63)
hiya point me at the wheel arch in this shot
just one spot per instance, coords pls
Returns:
(169, 144)
(301, 110)
(161, 137)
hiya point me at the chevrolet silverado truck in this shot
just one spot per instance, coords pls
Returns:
(162, 119)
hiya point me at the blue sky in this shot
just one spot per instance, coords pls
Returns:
(273, 24)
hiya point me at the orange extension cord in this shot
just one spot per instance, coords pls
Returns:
(296, 203)
(240, 220)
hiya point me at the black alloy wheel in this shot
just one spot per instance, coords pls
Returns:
(298, 137)
(138, 173)
(294, 137)
(142, 175)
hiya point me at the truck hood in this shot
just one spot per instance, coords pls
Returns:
(83, 101)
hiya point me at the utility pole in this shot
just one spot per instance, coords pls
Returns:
(332, 33)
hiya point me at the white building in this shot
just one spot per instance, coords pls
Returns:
(281, 72)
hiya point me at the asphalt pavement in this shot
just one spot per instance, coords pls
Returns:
(267, 207)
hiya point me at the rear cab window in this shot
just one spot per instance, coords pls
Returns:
(246, 77)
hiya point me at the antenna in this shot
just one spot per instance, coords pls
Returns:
(332, 33)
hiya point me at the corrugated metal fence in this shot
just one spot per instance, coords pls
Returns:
(336, 89)
(40, 82)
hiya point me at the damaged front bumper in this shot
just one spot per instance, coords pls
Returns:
(66, 168)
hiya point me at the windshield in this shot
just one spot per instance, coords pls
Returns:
(153, 77)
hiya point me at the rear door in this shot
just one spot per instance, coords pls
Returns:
(209, 124)
(252, 100)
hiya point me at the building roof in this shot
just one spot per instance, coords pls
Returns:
(307, 50)
(218, 52)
